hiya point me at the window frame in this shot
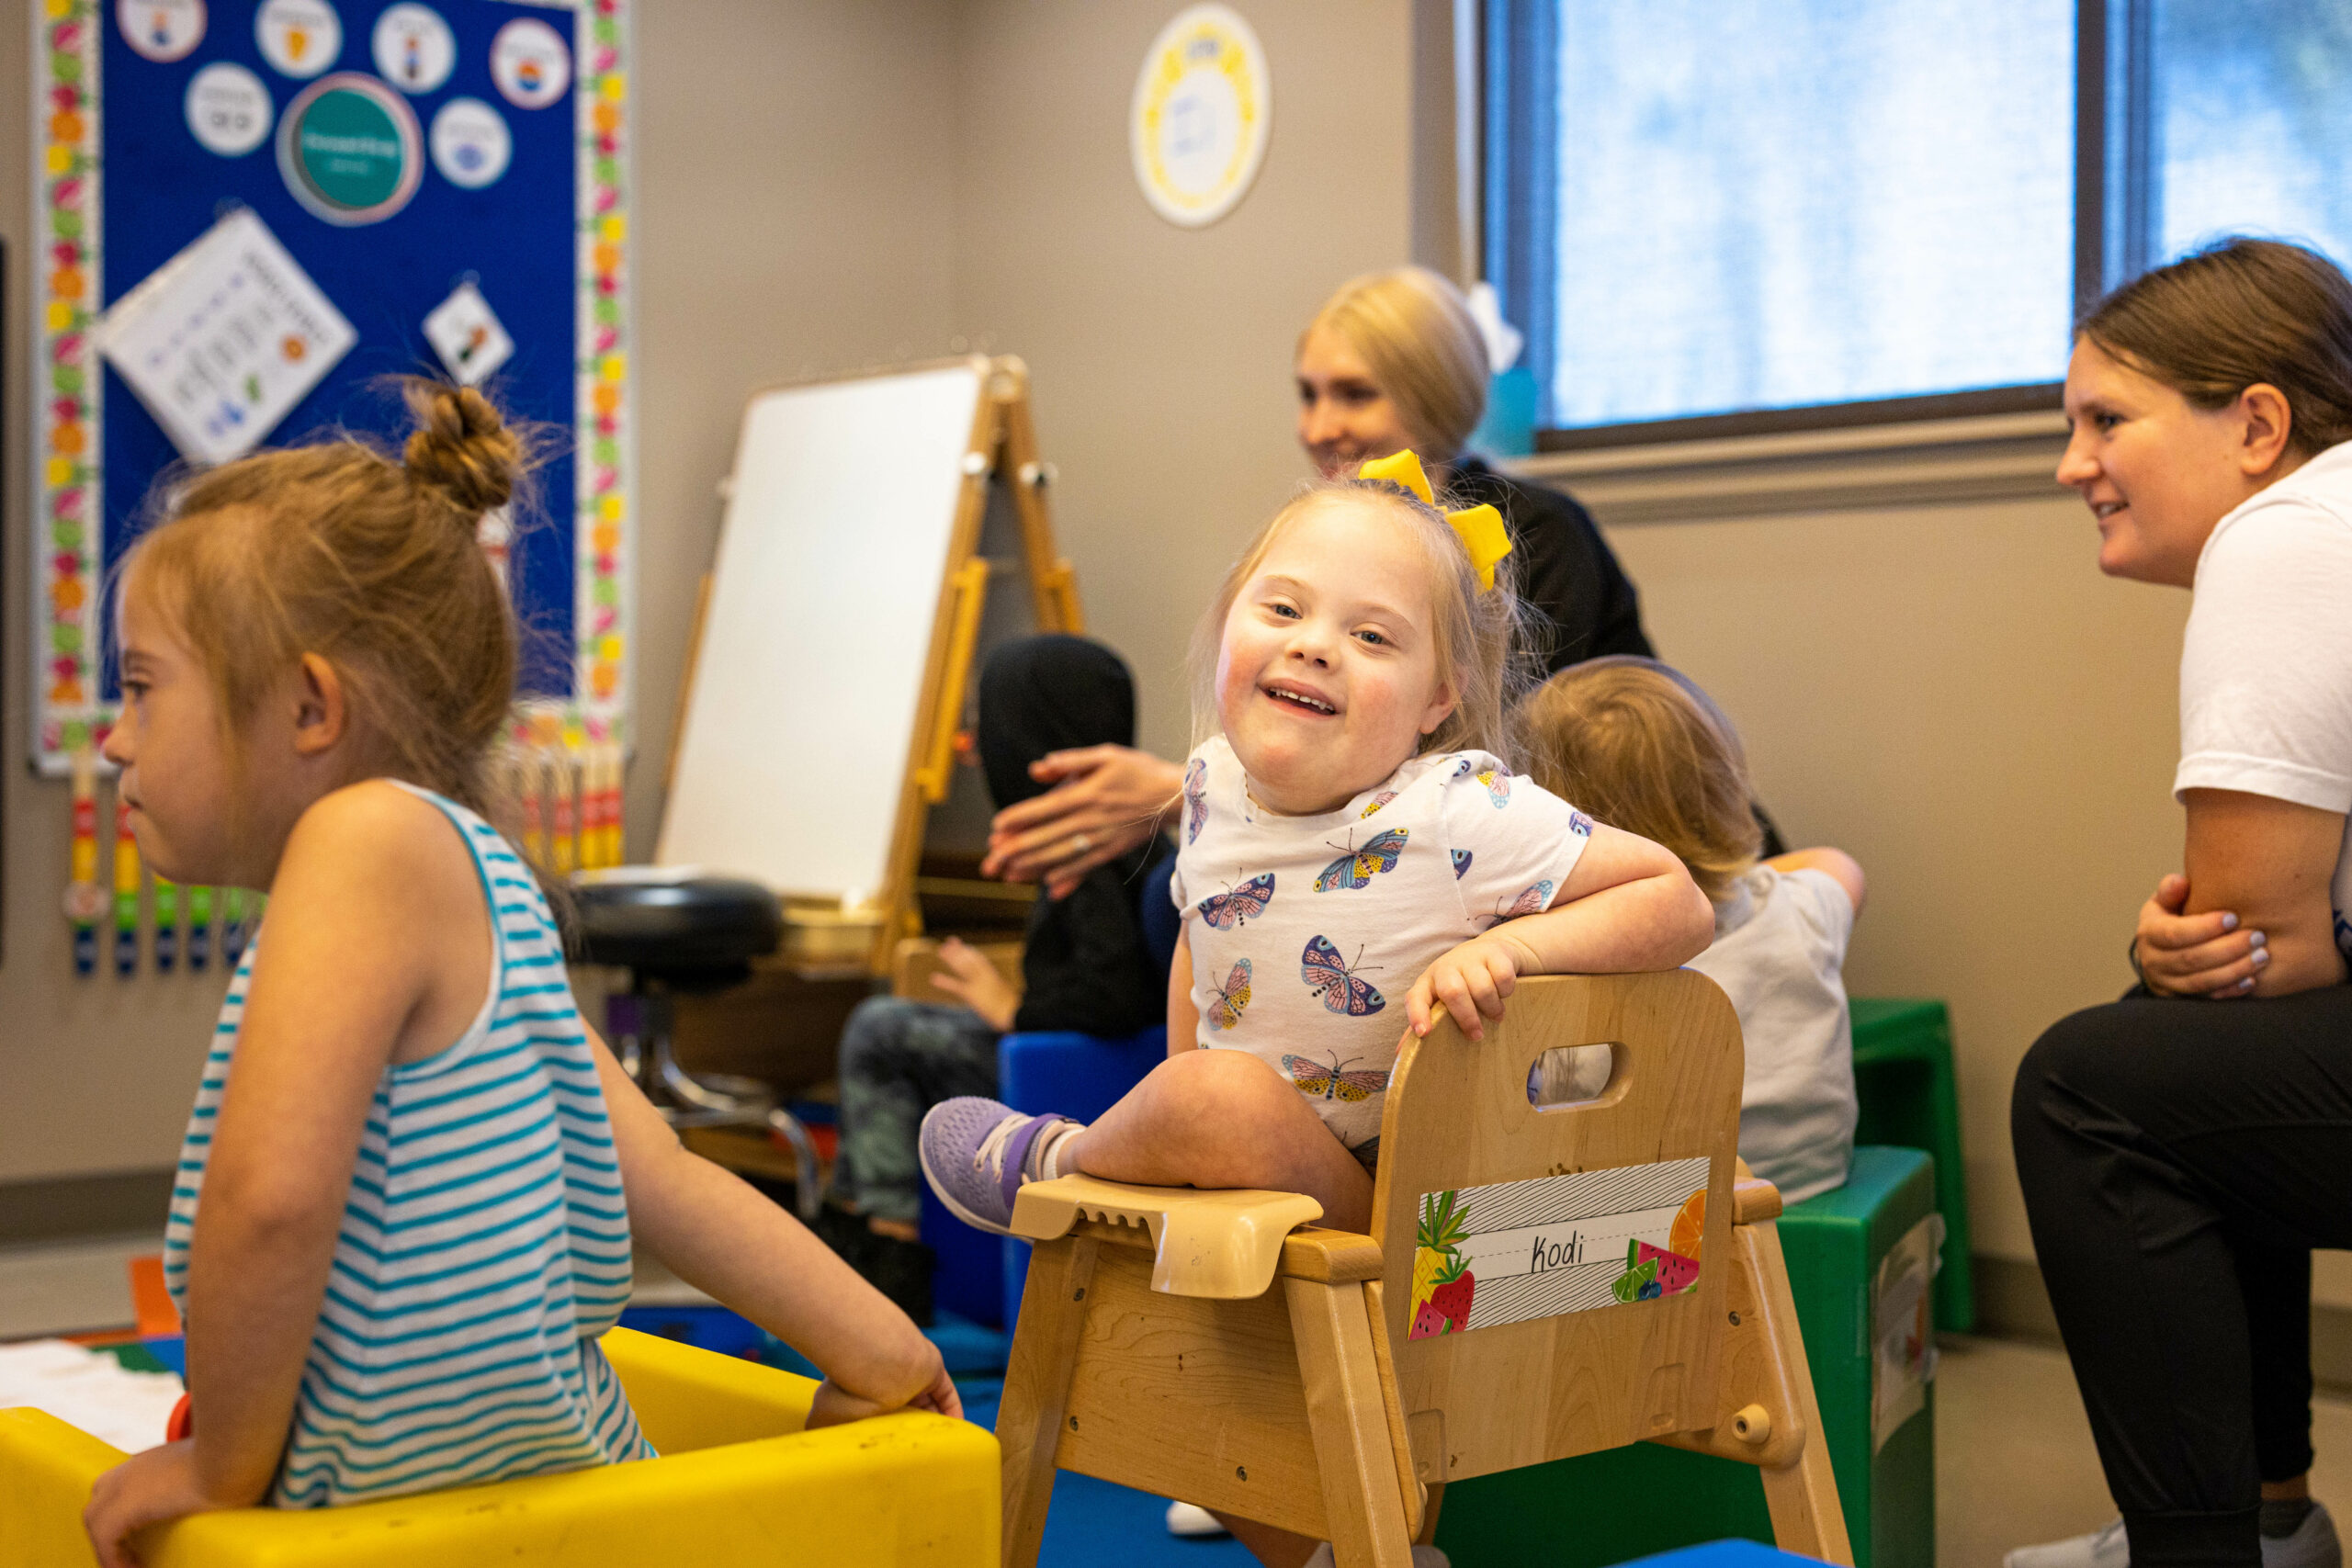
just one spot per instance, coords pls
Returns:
(2113, 137)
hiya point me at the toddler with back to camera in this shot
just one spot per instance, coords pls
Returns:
(1642, 745)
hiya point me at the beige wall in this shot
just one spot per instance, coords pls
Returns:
(794, 199)
(1956, 696)
(1161, 355)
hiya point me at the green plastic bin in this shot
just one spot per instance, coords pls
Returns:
(1902, 1075)
(1609, 1508)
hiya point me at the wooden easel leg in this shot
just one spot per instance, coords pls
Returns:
(1036, 1387)
(1802, 1497)
(1332, 1325)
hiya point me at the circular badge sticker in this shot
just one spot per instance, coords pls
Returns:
(300, 37)
(161, 31)
(1203, 108)
(228, 110)
(350, 149)
(530, 64)
(414, 47)
(470, 143)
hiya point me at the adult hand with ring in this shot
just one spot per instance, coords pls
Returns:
(1105, 801)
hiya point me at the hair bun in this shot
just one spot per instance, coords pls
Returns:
(462, 447)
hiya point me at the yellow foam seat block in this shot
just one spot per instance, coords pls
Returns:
(739, 1484)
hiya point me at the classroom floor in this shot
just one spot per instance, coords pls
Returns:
(2014, 1463)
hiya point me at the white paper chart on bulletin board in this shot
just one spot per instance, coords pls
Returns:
(436, 187)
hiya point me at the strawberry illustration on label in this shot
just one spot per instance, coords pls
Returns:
(1453, 1297)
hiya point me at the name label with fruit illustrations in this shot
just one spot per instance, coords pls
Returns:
(1516, 1251)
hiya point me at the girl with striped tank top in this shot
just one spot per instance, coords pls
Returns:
(408, 1192)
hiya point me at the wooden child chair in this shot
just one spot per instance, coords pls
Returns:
(1539, 1283)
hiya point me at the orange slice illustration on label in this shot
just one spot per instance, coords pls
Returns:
(1688, 1227)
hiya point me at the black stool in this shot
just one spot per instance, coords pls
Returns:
(688, 936)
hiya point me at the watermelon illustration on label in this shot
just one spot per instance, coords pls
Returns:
(1676, 1273)
(1653, 1271)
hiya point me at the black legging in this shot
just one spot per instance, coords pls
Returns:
(2180, 1160)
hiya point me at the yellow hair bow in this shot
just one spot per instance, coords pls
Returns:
(1480, 528)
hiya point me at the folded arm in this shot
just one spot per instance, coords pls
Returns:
(1836, 864)
(1629, 906)
(2267, 863)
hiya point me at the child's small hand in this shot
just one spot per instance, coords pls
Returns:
(835, 1405)
(1471, 982)
(152, 1487)
(940, 1397)
(936, 1391)
(966, 974)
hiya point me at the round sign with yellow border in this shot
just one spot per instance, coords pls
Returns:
(1204, 108)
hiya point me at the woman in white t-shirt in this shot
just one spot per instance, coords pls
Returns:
(2184, 1150)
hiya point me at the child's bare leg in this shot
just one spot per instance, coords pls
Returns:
(1224, 1119)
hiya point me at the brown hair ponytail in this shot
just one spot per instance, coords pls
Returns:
(2239, 313)
(334, 548)
(463, 447)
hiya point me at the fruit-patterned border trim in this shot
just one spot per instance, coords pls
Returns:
(67, 510)
(606, 463)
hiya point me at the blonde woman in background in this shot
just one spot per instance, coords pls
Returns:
(1392, 360)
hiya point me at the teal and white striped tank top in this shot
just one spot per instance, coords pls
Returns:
(484, 1245)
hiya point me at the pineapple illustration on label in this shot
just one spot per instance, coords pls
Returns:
(1443, 1283)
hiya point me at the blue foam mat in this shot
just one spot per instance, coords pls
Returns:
(1725, 1554)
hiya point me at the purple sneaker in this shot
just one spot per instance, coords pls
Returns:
(973, 1155)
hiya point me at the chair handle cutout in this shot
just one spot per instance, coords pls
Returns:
(1566, 1078)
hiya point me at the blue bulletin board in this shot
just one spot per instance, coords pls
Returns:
(408, 157)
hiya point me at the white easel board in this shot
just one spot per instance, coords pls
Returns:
(832, 557)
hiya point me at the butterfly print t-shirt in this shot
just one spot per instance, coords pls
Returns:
(1307, 932)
